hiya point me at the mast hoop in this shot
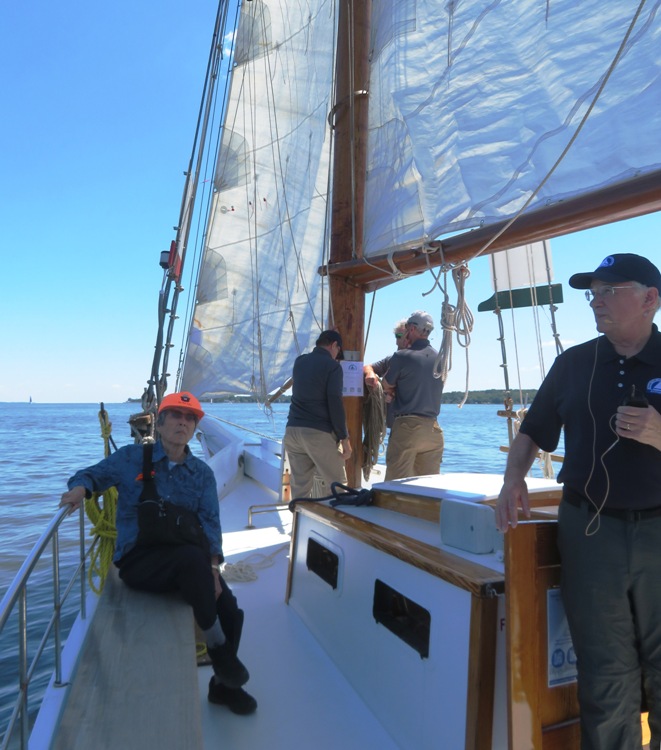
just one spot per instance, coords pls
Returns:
(345, 102)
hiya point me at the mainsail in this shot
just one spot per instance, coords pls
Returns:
(472, 104)
(478, 112)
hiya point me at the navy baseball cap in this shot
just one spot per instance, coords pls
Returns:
(620, 267)
(331, 337)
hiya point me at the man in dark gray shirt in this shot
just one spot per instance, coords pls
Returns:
(415, 446)
(316, 437)
(377, 370)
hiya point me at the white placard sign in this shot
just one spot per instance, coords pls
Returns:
(353, 378)
(560, 649)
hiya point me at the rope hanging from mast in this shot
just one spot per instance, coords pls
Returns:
(374, 427)
(458, 320)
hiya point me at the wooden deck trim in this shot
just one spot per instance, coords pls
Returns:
(481, 673)
(429, 508)
(418, 506)
(562, 736)
(540, 717)
(477, 579)
(136, 683)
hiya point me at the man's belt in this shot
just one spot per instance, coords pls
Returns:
(413, 414)
(624, 515)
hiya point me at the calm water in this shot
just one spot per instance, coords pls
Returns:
(44, 444)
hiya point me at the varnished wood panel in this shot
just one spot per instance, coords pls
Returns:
(562, 736)
(426, 508)
(481, 673)
(532, 568)
(136, 684)
(537, 499)
(429, 508)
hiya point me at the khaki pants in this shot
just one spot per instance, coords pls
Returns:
(415, 447)
(312, 452)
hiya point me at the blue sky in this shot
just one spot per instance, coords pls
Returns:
(99, 107)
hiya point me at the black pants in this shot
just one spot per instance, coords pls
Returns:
(611, 589)
(185, 569)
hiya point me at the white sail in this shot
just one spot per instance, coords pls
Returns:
(472, 103)
(525, 266)
(259, 298)
(472, 106)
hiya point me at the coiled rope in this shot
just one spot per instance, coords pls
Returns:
(374, 427)
(458, 320)
(341, 494)
(243, 571)
(103, 520)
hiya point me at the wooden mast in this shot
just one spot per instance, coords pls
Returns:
(349, 119)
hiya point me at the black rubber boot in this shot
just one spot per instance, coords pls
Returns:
(236, 699)
(227, 666)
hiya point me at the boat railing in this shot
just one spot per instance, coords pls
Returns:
(16, 596)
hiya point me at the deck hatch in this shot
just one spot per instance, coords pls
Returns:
(402, 616)
(322, 561)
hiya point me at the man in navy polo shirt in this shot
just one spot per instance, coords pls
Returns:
(606, 394)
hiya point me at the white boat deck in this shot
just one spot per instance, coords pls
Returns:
(303, 699)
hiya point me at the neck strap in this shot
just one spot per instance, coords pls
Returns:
(148, 483)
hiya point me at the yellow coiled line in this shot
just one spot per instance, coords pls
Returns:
(102, 517)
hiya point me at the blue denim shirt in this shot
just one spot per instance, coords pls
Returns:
(190, 484)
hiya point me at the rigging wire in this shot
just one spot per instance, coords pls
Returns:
(552, 307)
(535, 313)
(240, 427)
(207, 191)
(168, 299)
(369, 320)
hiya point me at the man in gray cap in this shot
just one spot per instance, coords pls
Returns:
(316, 436)
(606, 394)
(415, 446)
(377, 370)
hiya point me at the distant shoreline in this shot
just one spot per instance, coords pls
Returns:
(489, 396)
